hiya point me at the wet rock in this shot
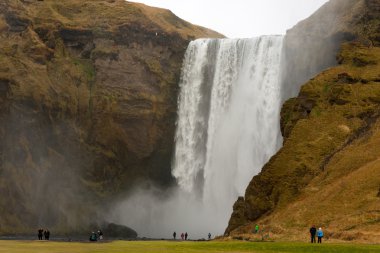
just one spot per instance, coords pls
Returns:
(238, 217)
(113, 230)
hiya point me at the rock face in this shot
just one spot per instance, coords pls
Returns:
(88, 94)
(119, 232)
(327, 172)
(312, 45)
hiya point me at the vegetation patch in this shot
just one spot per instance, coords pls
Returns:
(180, 246)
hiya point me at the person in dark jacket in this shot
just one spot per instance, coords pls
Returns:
(185, 236)
(174, 235)
(40, 232)
(100, 234)
(320, 235)
(313, 231)
(93, 237)
(47, 234)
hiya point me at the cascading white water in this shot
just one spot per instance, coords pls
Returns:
(227, 129)
(228, 116)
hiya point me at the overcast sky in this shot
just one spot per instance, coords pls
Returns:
(241, 18)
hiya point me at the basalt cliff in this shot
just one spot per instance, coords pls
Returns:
(88, 99)
(328, 171)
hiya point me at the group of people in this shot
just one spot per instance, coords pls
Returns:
(314, 232)
(185, 235)
(43, 233)
(96, 236)
(99, 235)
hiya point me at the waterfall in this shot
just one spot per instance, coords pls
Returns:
(228, 116)
(228, 127)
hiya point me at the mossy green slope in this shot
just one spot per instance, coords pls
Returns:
(327, 172)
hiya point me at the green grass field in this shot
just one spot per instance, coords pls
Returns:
(177, 247)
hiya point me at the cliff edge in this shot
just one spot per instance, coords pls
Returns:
(88, 98)
(327, 172)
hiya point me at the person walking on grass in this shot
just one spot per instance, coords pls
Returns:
(313, 231)
(320, 235)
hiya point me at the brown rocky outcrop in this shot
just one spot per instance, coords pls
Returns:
(88, 93)
(327, 172)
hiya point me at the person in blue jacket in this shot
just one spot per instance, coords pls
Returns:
(320, 235)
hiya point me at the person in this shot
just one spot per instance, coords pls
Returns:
(174, 235)
(320, 235)
(100, 234)
(209, 236)
(182, 236)
(47, 234)
(40, 231)
(93, 237)
(185, 236)
(313, 231)
(256, 229)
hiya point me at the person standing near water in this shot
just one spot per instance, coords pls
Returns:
(320, 235)
(209, 236)
(313, 231)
